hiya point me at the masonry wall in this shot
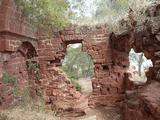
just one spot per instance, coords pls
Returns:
(16, 32)
(141, 101)
(108, 80)
(16, 43)
(111, 85)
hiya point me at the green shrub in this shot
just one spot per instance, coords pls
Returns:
(47, 14)
(1, 100)
(9, 79)
(36, 68)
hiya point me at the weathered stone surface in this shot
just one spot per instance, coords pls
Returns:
(158, 37)
(19, 46)
(157, 54)
(144, 105)
(151, 98)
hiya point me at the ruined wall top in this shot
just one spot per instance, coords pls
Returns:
(12, 20)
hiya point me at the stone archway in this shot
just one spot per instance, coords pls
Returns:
(29, 54)
(79, 67)
(14, 67)
(27, 50)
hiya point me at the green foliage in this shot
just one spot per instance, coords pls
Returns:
(9, 79)
(35, 68)
(76, 84)
(78, 7)
(45, 13)
(111, 8)
(111, 12)
(78, 64)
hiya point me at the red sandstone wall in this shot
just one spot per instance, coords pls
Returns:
(108, 81)
(11, 20)
(14, 32)
(110, 57)
(52, 51)
(141, 102)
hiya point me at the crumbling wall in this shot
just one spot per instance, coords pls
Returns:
(142, 101)
(17, 42)
(111, 84)
(108, 89)
(108, 80)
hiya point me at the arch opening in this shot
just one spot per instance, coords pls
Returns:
(79, 68)
(27, 50)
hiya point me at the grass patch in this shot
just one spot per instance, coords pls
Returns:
(23, 114)
(9, 79)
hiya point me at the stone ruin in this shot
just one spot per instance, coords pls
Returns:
(21, 45)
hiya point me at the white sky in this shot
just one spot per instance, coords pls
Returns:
(75, 45)
(89, 7)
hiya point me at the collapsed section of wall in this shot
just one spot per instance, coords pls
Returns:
(141, 101)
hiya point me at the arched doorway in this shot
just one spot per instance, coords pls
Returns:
(79, 68)
(27, 50)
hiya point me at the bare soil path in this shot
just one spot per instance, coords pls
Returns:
(86, 85)
(103, 113)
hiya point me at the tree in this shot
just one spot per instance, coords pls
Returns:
(78, 64)
(45, 13)
(140, 62)
(111, 7)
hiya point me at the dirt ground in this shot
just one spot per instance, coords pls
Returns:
(102, 113)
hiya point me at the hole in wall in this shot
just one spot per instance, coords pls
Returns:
(51, 61)
(138, 66)
(124, 66)
(79, 68)
(119, 74)
(105, 67)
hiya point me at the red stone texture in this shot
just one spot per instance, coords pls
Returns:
(144, 104)
(17, 42)
(141, 102)
(60, 94)
(109, 51)
(108, 81)
(12, 20)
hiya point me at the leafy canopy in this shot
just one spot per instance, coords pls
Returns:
(45, 13)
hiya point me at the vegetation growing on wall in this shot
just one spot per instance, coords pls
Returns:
(56, 14)
(112, 11)
(9, 79)
(35, 69)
